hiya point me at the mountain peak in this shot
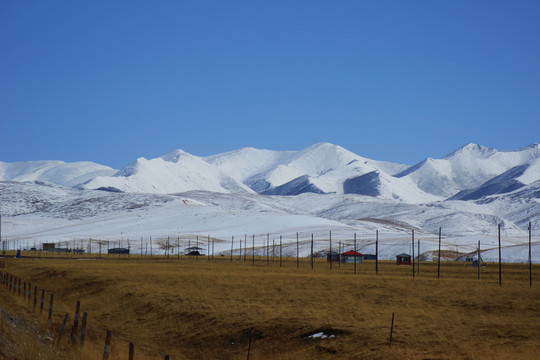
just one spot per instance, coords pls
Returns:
(472, 149)
(174, 156)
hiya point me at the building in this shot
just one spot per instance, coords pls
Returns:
(49, 246)
(332, 257)
(403, 259)
(119, 251)
(370, 257)
(352, 257)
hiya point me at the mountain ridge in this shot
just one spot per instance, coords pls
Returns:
(319, 168)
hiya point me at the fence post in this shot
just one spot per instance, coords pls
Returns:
(297, 251)
(107, 349)
(42, 300)
(391, 329)
(478, 260)
(24, 291)
(29, 291)
(63, 328)
(500, 266)
(377, 252)
(19, 289)
(330, 238)
(51, 309)
(280, 253)
(311, 252)
(412, 247)
(83, 329)
(355, 253)
(131, 351)
(530, 257)
(75, 323)
(439, 257)
(35, 298)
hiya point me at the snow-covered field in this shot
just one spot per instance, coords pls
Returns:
(322, 189)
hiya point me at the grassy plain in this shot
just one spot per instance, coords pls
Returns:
(201, 309)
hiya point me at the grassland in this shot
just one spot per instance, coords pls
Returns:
(200, 309)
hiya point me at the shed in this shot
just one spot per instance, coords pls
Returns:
(332, 257)
(352, 257)
(403, 259)
(48, 246)
(118, 251)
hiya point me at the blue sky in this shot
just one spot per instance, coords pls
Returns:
(110, 81)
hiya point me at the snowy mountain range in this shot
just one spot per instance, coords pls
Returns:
(251, 191)
(471, 172)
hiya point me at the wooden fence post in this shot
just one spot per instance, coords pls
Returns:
(330, 239)
(377, 252)
(355, 253)
(63, 328)
(412, 247)
(42, 301)
(530, 257)
(107, 349)
(249, 346)
(50, 309)
(131, 351)
(297, 252)
(439, 257)
(19, 289)
(500, 265)
(29, 291)
(83, 329)
(24, 290)
(232, 246)
(75, 323)
(391, 329)
(35, 298)
(478, 260)
(280, 253)
(311, 252)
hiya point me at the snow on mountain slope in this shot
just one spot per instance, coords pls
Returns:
(504, 183)
(46, 212)
(531, 173)
(326, 166)
(175, 172)
(466, 168)
(244, 163)
(56, 172)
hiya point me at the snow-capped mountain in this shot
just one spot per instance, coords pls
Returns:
(226, 195)
(175, 172)
(471, 172)
(513, 179)
(56, 172)
(468, 168)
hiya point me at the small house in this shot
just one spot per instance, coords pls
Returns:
(352, 257)
(332, 257)
(49, 246)
(369, 257)
(403, 259)
(119, 251)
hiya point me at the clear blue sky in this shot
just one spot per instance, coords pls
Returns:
(110, 81)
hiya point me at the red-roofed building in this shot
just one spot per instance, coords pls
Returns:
(350, 256)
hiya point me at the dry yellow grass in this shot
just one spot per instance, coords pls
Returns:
(200, 309)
